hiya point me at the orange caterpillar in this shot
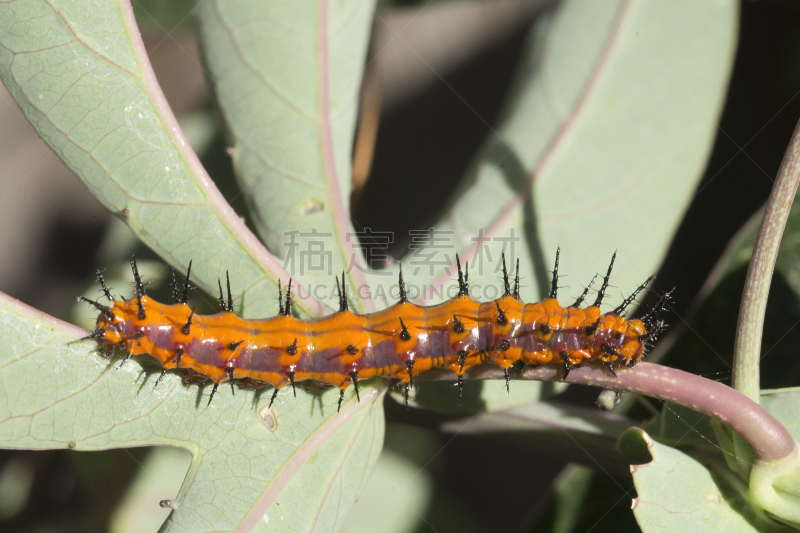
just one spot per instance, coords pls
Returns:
(399, 343)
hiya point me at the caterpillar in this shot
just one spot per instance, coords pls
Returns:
(399, 343)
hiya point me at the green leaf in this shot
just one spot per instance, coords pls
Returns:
(788, 262)
(158, 479)
(287, 76)
(633, 447)
(676, 492)
(584, 434)
(776, 485)
(614, 105)
(396, 495)
(488, 396)
(784, 404)
(82, 78)
(569, 492)
(584, 499)
(296, 465)
(680, 426)
(405, 492)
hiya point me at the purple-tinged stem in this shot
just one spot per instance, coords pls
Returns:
(769, 439)
(747, 350)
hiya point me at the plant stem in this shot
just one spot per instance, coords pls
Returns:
(747, 350)
(769, 439)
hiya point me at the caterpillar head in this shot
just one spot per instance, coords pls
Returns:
(112, 323)
(109, 321)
